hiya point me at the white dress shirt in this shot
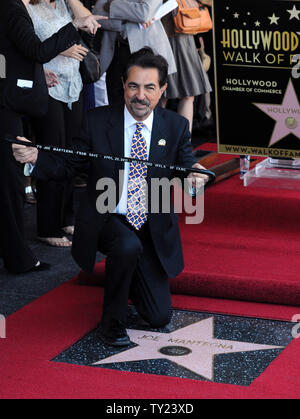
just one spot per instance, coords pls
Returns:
(129, 131)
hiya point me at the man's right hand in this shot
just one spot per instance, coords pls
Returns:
(89, 23)
(24, 154)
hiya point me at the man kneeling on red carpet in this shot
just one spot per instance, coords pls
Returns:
(143, 249)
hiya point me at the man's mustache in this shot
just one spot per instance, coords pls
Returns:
(140, 102)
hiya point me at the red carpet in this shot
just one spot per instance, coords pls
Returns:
(45, 328)
(247, 248)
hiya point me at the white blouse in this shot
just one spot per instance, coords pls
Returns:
(47, 21)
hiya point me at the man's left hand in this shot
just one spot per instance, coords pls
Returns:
(198, 180)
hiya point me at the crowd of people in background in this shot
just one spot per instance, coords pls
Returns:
(128, 28)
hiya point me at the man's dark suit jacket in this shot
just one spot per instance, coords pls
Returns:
(104, 133)
(25, 54)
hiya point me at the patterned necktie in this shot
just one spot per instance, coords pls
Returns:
(136, 201)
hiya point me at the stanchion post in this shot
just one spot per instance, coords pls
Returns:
(244, 165)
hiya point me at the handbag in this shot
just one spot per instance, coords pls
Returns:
(192, 18)
(90, 67)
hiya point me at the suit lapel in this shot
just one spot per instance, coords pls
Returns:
(115, 135)
(159, 135)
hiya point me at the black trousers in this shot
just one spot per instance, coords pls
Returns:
(133, 271)
(55, 204)
(16, 254)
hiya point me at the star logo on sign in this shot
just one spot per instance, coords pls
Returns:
(193, 347)
(274, 19)
(286, 115)
(294, 13)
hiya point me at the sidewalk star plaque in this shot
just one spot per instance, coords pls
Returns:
(193, 347)
(196, 346)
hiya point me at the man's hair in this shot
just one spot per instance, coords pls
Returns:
(145, 58)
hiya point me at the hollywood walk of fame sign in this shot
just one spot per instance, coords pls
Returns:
(198, 346)
(256, 45)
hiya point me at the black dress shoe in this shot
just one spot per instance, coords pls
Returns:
(113, 332)
(41, 267)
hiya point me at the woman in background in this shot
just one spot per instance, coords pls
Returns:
(24, 55)
(190, 80)
(63, 120)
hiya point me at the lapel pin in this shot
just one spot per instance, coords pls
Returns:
(162, 143)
